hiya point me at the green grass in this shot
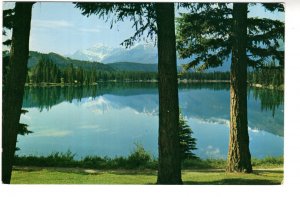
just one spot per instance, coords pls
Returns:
(137, 168)
(139, 159)
(35, 175)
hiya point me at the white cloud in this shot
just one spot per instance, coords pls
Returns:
(52, 133)
(52, 24)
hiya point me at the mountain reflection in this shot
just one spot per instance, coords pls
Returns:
(204, 101)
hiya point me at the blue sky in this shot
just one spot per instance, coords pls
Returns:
(59, 27)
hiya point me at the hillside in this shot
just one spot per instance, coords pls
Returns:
(131, 66)
(62, 62)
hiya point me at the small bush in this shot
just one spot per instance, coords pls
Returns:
(93, 162)
(268, 161)
(139, 158)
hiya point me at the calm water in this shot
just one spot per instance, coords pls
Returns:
(108, 119)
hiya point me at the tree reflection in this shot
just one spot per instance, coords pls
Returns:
(270, 99)
(46, 97)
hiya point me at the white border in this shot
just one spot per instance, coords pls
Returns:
(290, 186)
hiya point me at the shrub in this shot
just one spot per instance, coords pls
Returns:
(268, 161)
(94, 162)
(187, 142)
(139, 158)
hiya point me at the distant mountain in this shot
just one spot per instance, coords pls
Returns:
(62, 61)
(141, 53)
(142, 58)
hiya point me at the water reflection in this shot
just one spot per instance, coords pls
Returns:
(109, 118)
(207, 101)
(270, 99)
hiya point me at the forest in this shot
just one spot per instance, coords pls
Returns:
(48, 72)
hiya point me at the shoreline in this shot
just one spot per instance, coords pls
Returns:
(271, 87)
(184, 81)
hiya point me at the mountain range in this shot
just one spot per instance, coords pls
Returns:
(140, 53)
(62, 62)
(141, 57)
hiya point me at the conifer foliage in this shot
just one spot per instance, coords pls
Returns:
(13, 89)
(187, 142)
(157, 19)
(206, 34)
(215, 32)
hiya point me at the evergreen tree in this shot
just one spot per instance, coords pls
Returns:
(13, 89)
(206, 35)
(157, 19)
(187, 142)
(169, 168)
(212, 33)
(23, 128)
(270, 74)
(8, 16)
(239, 157)
(45, 71)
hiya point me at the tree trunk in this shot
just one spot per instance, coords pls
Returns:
(239, 157)
(169, 162)
(13, 89)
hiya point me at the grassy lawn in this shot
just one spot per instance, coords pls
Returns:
(38, 175)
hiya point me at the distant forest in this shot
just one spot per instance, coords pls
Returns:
(45, 71)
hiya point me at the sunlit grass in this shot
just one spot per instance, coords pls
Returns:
(81, 176)
(138, 159)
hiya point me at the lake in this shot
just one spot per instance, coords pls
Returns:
(110, 118)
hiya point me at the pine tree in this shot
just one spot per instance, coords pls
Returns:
(156, 19)
(187, 142)
(23, 128)
(213, 33)
(239, 157)
(14, 85)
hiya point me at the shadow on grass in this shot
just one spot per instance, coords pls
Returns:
(268, 171)
(263, 179)
(27, 169)
(82, 171)
(234, 181)
(134, 172)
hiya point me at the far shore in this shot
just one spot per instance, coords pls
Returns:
(183, 81)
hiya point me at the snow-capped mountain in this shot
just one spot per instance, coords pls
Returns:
(141, 53)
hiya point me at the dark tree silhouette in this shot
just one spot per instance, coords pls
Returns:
(13, 89)
(206, 35)
(187, 142)
(214, 32)
(169, 169)
(156, 19)
(239, 157)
